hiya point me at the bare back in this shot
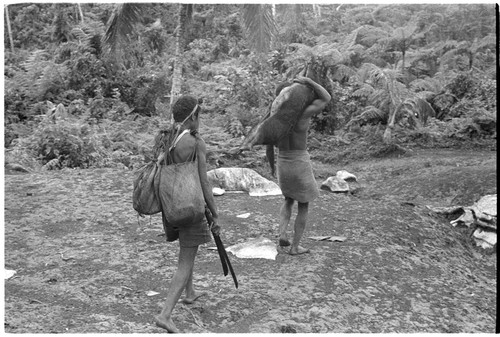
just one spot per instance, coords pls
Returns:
(297, 138)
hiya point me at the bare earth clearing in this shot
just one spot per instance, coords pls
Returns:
(85, 262)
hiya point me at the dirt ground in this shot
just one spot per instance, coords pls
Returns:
(85, 262)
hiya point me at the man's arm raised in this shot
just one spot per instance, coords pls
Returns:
(318, 104)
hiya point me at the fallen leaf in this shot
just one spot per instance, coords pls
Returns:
(259, 248)
(243, 216)
(337, 238)
(328, 238)
(151, 293)
(319, 238)
(33, 301)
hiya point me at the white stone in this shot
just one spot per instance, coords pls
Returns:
(487, 204)
(343, 174)
(485, 239)
(218, 191)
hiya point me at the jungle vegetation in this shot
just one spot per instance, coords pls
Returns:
(88, 85)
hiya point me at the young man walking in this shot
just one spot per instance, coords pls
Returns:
(190, 236)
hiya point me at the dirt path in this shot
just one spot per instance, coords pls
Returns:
(85, 262)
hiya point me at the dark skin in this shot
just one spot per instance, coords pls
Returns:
(297, 140)
(183, 277)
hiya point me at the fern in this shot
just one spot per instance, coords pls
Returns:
(343, 72)
(234, 128)
(369, 35)
(419, 108)
(365, 90)
(368, 115)
(431, 84)
(52, 79)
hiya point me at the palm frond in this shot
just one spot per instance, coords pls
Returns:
(121, 24)
(427, 95)
(350, 40)
(379, 76)
(260, 26)
(404, 33)
(489, 41)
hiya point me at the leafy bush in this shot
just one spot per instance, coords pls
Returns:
(199, 52)
(474, 92)
(477, 127)
(74, 143)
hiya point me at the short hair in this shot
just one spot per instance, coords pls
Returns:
(183, 106)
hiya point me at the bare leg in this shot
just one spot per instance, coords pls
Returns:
(300, 225)
(179, 282)
(191, 294)
(285, 214)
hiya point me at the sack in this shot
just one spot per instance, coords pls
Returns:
(145, 197)
(181, 194)
(180, 191)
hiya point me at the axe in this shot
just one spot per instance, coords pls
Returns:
(224, 259)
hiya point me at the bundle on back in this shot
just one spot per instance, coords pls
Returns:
(284, 113)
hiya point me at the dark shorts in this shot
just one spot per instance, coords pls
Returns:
(189, 236)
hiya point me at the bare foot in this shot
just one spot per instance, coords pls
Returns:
(298, 250)
(166, 323)
(284, 242)
(192, 298)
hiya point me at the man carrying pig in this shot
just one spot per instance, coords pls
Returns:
(295, 175)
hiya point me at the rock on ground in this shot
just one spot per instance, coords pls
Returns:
(242, 179)
(335, 184)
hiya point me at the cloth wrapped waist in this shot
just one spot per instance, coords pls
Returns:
(295, 175)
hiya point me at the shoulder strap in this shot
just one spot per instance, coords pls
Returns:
(192, 157)
(177, 139)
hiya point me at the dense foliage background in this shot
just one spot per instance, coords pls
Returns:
(71, 100)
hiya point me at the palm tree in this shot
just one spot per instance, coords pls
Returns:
(80, 11)
(400, 39)
(469, 49)
(258, 21)
(9, 30)
(259, 25)
(184, 19)
(121, 25)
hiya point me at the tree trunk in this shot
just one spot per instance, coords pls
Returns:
(392, 116)
(80, 11)
(403, 65)
(11, 40)
(179, 50)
